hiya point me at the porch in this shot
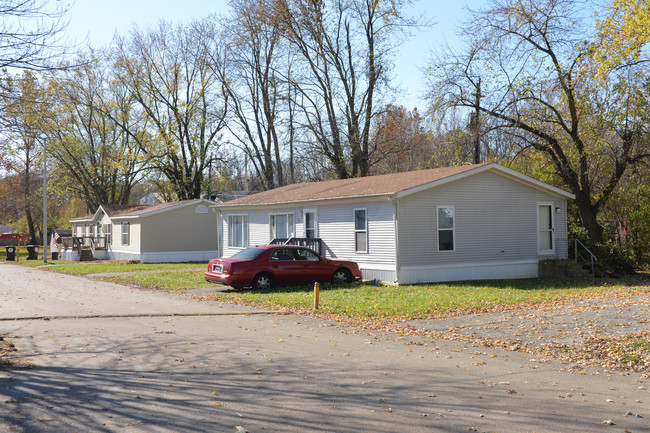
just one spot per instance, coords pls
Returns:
(82, 248)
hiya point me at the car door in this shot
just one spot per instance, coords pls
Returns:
(284, 267)
(312, 267)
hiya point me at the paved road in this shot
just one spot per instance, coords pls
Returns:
(115, 359)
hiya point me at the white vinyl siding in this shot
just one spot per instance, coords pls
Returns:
(335, 228)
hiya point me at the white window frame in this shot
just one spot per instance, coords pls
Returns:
(244, 231)
(357, 231)
(291, 231)
(551, 208)
(126, 233)
(452, 229)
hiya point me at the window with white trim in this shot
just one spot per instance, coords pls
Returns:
(238, 231)
(107, 232)
(446, 228)
(281, 226)
(361, 230)
(126, 233)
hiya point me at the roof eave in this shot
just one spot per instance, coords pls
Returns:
(386, 196)
(167, 209)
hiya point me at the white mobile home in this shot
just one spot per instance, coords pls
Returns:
(480, 221)
(181, 231)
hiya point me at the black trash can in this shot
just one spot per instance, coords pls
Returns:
(32, 252)
(11, 253)
(55, 255)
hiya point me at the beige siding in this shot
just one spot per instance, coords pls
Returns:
(177, 230)
(495, 220)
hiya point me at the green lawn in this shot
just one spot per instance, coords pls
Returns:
(78, 268)
(408, 302)
(367, 301)
(363, 300)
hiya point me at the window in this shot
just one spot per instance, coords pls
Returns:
(281, 226)
(201, 209)
(545, 232)
(446, 228)
(238, 231)
(360, 231)
(107, 231)
(126, 233)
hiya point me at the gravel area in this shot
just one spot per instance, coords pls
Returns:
(566, 323)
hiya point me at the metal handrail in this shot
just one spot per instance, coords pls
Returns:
(592, 258)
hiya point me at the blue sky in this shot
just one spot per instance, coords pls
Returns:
(99, 20)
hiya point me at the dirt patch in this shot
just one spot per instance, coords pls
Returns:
(6, 349)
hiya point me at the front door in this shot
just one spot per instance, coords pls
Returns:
(310, 224)
(546, 229)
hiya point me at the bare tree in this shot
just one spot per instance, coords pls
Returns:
(345, 48)
(169, 73)
(534, 64)
(254, 80)
(30, 33)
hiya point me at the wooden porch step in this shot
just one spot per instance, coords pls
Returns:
(86, 255)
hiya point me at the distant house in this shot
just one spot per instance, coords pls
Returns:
(150, 198)
(223, 196)
(471, 222)
(179, 231)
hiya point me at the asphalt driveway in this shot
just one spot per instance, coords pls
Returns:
(103, 358)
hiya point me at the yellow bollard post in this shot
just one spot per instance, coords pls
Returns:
(316, 296)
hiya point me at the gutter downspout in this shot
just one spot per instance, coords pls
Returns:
(396, 232)
(219, 230)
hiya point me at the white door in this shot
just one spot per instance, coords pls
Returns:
(310, 224)
(546, 229)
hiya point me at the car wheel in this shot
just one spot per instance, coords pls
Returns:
(341, 276)
(263, 282)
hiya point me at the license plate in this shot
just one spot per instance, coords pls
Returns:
(216, 269)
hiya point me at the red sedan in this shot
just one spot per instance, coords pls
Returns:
(262, 266)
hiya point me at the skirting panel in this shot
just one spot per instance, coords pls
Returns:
(71, 255)
(468, 271)
(164, 257)
(179, 256)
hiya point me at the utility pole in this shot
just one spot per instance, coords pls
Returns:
(477, 135)
(44, 201)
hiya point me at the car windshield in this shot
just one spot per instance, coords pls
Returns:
(249, 253)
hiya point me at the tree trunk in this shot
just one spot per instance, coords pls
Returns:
(588, 214)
